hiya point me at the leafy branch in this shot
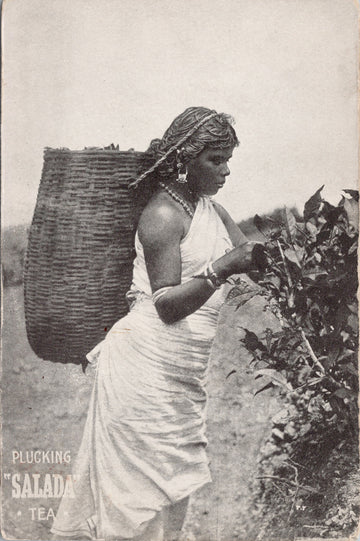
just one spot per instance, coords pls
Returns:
(311, 286)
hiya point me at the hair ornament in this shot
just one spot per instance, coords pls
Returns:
(172, 149)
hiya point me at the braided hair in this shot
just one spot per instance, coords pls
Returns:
(217, 133)
(193, 131)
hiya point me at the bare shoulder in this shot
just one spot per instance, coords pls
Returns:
(160, 221)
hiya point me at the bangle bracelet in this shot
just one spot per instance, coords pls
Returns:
(213, 277)
(211, 283)
(205, 276)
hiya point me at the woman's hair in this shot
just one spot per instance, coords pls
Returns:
(195, 130)
(216, 132)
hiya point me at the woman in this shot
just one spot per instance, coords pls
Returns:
(143, 448)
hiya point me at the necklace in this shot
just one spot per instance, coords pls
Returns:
(177, 198)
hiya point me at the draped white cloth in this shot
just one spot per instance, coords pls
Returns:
(143, 446)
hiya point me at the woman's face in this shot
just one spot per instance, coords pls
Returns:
(208, 171)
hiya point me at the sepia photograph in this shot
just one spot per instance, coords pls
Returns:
(180, 220)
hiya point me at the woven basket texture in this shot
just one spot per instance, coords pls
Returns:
(80, 251)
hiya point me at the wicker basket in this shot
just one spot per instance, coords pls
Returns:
(80, 251)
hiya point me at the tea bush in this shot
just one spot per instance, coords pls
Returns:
(311, 286)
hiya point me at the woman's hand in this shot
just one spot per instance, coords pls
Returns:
(244, 258)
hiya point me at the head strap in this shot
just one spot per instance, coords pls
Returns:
(136, 182)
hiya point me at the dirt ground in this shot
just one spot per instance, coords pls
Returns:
(44, 407)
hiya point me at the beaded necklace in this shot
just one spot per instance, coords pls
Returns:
(179, 199)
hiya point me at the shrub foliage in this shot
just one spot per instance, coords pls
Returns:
(311, 286)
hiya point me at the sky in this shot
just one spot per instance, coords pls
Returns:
(82, 73)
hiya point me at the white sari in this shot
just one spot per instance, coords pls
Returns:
(143, 446)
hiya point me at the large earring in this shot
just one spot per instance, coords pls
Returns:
(182, 170)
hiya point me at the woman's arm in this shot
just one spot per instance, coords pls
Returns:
(184, 299)
(161, 229)
(236, 235)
